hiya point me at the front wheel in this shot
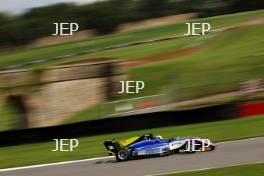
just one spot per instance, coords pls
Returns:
(122, 155)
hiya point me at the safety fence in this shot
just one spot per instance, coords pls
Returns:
(119, 124)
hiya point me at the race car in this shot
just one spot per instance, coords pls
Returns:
(148, 145)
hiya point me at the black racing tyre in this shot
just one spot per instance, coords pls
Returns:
(122, 155)
(212, 147)
(175, 151)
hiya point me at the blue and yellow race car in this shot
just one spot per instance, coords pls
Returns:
(149, 145)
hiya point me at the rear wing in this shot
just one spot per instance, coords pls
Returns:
(112, 146)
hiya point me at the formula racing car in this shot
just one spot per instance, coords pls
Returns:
(149, 145)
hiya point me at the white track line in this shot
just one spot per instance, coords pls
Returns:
(84, 160)
(206, 168)
(54, 164)
(252, 138)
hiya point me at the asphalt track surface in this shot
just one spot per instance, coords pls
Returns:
(226, 154)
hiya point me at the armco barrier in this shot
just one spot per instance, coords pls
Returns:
(118, 124)
(250, 109)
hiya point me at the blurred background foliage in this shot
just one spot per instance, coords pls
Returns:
(105, 16)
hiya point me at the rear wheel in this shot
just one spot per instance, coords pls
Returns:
(210, 148)
(122, 155)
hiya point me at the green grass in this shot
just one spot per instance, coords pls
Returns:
(241, 170)
(227, 60)
(134, 52)
(92, 113)
(222, 64)
(93, 146)
(7, 116)
(101, 110)
(238, 53)
(25, 55)
(203, 73)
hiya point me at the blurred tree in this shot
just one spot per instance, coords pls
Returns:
(210, 7)
(41, 20)
(154, 8)
(4, 19)
(105, 16)
(244, 5)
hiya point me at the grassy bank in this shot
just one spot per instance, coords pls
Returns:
(221, 66)
(26, 55)
(238, 53)
(93, 146)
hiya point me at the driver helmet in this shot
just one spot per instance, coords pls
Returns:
(159, 137)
